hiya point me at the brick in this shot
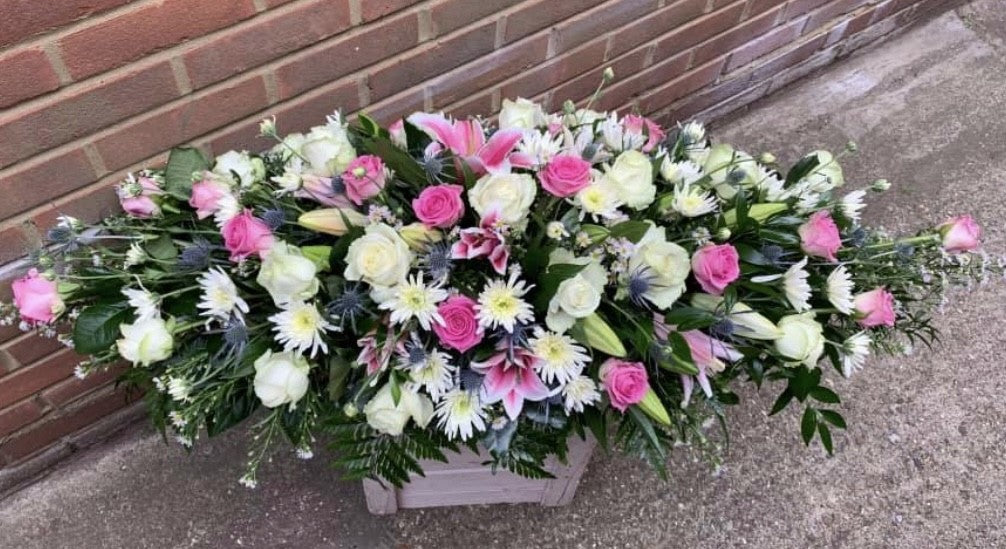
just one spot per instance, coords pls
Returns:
(266, 38)
(146, 29)
(787, 59)
(557, 70)
(540, 14)
(637, 83)
(43, 435)
(398, 106)
(833, 10)
(431, 60)
(741, 34)
(25, 18)
(73, 388)
(18, 415)
(297, 115)
(656, 24)
(479, 75)
(449, 15)
(345, 54)
(14, 243)
(681, 86)
(269, 4)
(25, 74)
(796, 8)
(196, 116)
(478, 105)
(91, 204)
(766, 43)
(609, 16)
(28, 380)
(756, 7)
(583, 86)
(43, 180)
(698, 31)
(8, 332)
(375, 9)
(81, 111)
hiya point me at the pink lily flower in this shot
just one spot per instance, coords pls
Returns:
(511, 379)
(376, 359)
(708, 354)
(467, 140)
(320, 190)
(484, 240)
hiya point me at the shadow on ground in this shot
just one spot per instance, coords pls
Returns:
(921, 466)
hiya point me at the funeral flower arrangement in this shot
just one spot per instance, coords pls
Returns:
(398, 292)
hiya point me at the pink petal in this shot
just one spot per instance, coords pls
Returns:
(438, 128)
(498, 383)
(687, 384)
(472, 136)
(521, 160)
(496, 151)
(530, 387)
(513, 403)
(704, 383)
(498, 257)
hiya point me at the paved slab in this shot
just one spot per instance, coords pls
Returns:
(921, 466)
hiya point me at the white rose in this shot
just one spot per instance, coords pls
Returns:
(247, 169)
(521, 114)
(280, 378)
(722, 161)
(802, 339)
(327, 150)
(577, 296)
(387, 417)
(508, 194)
(632, 177)
(145, 341)
(827, 175)
(664, 264)
(583, 117)
(286, 274)
(380, 257)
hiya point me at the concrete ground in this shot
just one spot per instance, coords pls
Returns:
(921, 466)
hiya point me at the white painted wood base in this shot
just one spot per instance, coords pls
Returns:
(465, 481)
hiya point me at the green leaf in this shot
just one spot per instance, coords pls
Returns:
(808, 424)
(554, 275)
(644, 423)
(833, 418)
(781, 402)
(405, 166)
(97, 327)
(690, 318)
(801, 169)
(679, 360)
(162, 248)
(182, 163)
(338, 373)
(632, 230)
(825, 395)
(319, 255)
(369, 125)
(825, 434)
(597, 422)
(803, 381)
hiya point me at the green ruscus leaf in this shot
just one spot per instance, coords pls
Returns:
(97, 327)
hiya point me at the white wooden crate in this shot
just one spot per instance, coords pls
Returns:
(463, 480)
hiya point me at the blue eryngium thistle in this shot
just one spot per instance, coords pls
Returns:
(858, 237)
(235, 339)
(349, 305)
(274, 217)
(470, 379)
(196, 256)
(640, 282)
(437, 260)
(433, 167)
(60, 235)
(415, 351)
(338, 185)
(722, 329)
(773, 253)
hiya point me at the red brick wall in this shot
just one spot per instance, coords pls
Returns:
(93, 88)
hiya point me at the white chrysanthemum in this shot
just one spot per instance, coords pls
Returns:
(540, 146)
(460, 413)
(501, 303)
(220, 297)
(556, 230)
(796, 287)
(854, 352)
(228, 207)
(435, 373)
(579, 392)
(301, 327)
(616, 138)
(290, 181)
(679, 173)
(179, 388)
(599, 199)
(770, 185)
(852, 204)
(693, 133)
(135, 255)
(413, 298)
(560, 359)
(692, 201)
(839, 289)
(145, 303)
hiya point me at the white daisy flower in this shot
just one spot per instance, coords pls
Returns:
(461, 413)
(579, 392)
(599, 199)
(692, 201)
(220, 297)
(228, 207)
(771, 186)
(560, 359)
(540, 146)
(135, 255)
(501, 304)
(854, 352)
(301, 327)
(435, 373)
(839, 289)
(289, 182)
(412, 298)
(145, 303)
(796, 287)
(616, 138)
(693, 133)
(852, 203)
(683, 173)
(179, 388)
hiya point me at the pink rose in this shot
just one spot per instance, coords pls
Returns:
(364, 178)
(715, 267)
(874, 308)
(36, 298)
(439, 205)
(245, 234)
(141, 206)
(206, 195)
(396, 132)
(635, 124)
(565, 175)
(460, 330)
(136, 197)
(961, 234)
(819, 236)
(625, 382)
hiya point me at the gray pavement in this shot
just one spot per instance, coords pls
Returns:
(922, 464)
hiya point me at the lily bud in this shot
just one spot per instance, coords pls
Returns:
(746, 322)
(596, 233)
(608, 74)
(419, 237)
(758, 212)
(767, 158)
(723, 234)
(335, 221)
(596, 333)
(652, 406)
